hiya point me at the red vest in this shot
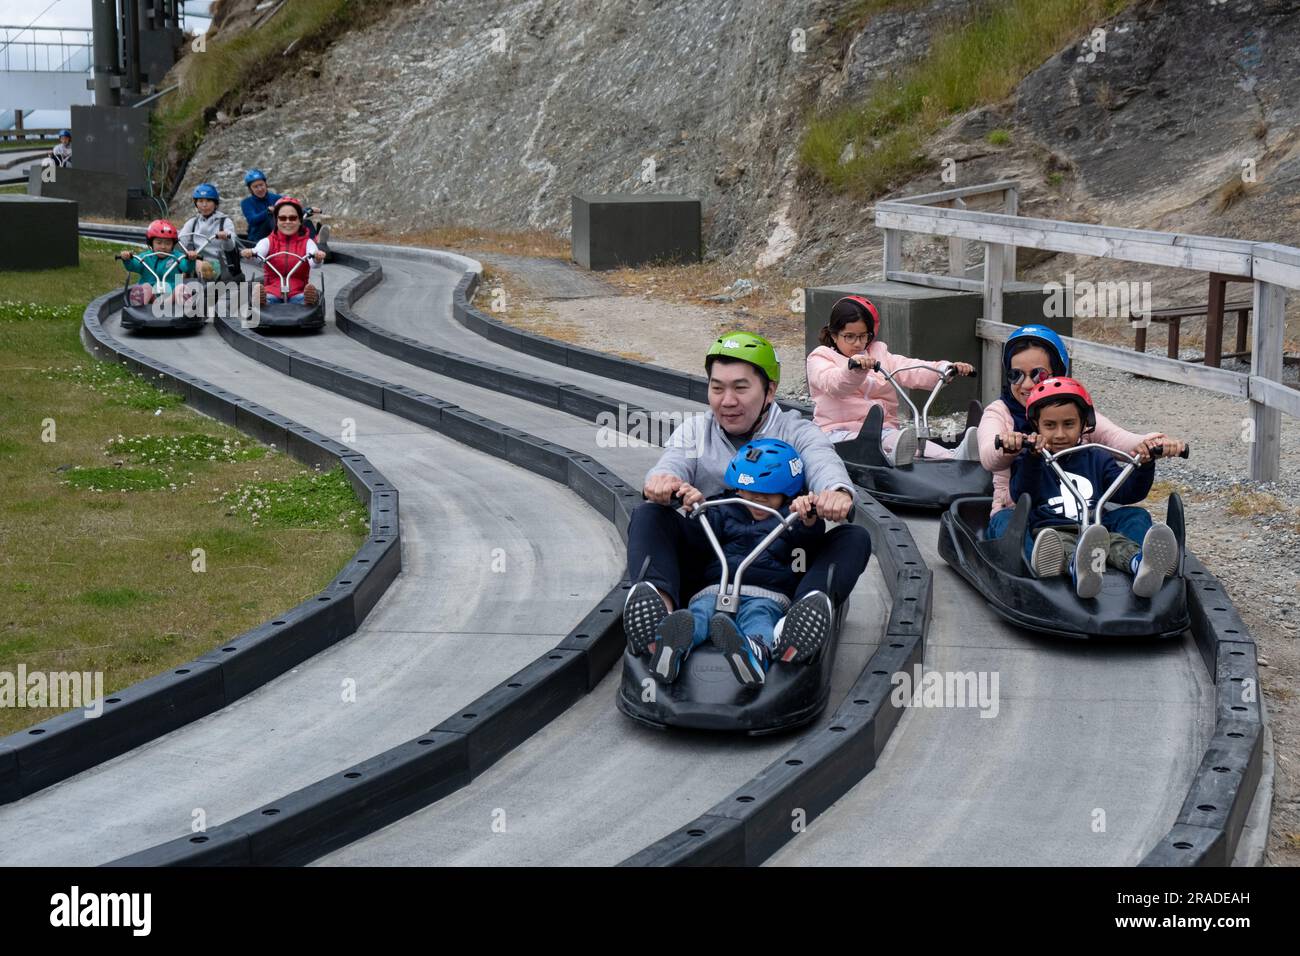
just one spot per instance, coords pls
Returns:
(295, 269)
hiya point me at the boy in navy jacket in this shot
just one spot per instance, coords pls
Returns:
(1059, 410)
(769, 472)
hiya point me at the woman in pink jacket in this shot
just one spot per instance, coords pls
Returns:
(1031, 354)
(843, 388)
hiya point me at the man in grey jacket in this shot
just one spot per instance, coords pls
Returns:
(666, 550)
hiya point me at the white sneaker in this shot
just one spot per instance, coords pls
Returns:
(1158, 560)
(1087, 579)
(968, 449)
(905, 449)
(1048, 558)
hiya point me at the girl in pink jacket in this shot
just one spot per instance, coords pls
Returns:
(843, 389)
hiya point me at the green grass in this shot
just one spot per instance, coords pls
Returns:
(970, 64)
(998, 137)
(99, 527)
(18, 146)
(16, 188)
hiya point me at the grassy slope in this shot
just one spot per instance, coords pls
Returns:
(101, 580)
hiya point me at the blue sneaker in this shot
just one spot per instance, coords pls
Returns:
(675, 636)
(748, 658)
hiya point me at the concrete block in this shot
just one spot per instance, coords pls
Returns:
(631, 230)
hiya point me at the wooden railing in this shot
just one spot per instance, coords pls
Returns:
(1271, 267)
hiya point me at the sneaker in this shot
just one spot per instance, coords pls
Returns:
(968, 449)
(642, 612)
(675, 636)
(804, 629)
(748, 658)
(905, 449)
(1156, 561)
(1087, 581)
(1048, 559)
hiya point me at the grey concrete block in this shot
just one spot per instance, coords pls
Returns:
(610, 231)
(38, 232)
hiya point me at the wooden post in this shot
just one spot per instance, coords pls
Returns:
(1175, 326)
(1214, 320)
(1243, 322)
(1266, 362)
(957, 248)
(1140, 339)
(1010, 206)
(893, 251)
(991, 373)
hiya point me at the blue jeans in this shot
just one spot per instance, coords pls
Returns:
(998, 523)
(298, 299)
(1132, 523)
(756, 617)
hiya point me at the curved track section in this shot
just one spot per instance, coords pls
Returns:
(1071, 714)
(443, 633)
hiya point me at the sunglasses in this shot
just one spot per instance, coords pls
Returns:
(1015, 376)
(286, 218)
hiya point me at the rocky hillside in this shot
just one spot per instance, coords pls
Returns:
(492, 113)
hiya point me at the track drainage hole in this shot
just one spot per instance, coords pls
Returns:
(363, 560)
(468, 716)
(113, 700)
(1239, 708)
(605, 610)
(695, 833)
(895, 645)
(862, 702)
(1236, 735)
(882, 673)
(352, 776)
(1220, 608)
(1182, 846)
(229, 650)
(744, 799)
(910, 600)
(425, 742)
(1207, 807)
(37, 732)
(838, 730)
(199, 839)
(554, 657)
(514, 685)
(1237, 680)
(270, 813)
(1222, 770)
(1236, 653)
(794, 763)
(322, 599)
(276, 623)
(1229, 632)
(184, 671)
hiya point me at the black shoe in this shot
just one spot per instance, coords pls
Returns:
(748, 658)
(642, 612)
(805, 629)
(675, 636)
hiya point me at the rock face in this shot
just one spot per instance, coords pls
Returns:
(493, 112)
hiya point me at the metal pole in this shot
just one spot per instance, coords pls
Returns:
(104, 22)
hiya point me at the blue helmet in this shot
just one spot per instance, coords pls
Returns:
(253, 175)
(65, 132)
(206, 191)
(768, 466)
(1043, 336)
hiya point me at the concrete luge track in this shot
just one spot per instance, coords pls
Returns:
(598, 745)
(1061, 777)
(444, 632)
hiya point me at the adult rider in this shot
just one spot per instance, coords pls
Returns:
(664, 556)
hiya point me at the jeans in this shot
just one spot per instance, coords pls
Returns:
(756, 617)
(678, 553)
(1132, 523)
(998, 523)
(298, 299)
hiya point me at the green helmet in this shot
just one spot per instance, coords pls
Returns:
(747, 347)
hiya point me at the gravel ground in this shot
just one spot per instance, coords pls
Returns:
(1248, 534)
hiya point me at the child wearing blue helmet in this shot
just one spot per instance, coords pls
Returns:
(213, 226)
(769, 472)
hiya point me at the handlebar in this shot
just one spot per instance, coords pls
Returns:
(1157, 451)
(946, 371)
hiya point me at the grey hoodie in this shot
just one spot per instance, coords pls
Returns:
(699, 451)
(197, 228)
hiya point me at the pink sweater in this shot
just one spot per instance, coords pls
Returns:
(997, 419)
(842, 397)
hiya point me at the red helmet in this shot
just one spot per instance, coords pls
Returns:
(160, 229)
(873, 316)
(287, 201)
(1060, 387)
